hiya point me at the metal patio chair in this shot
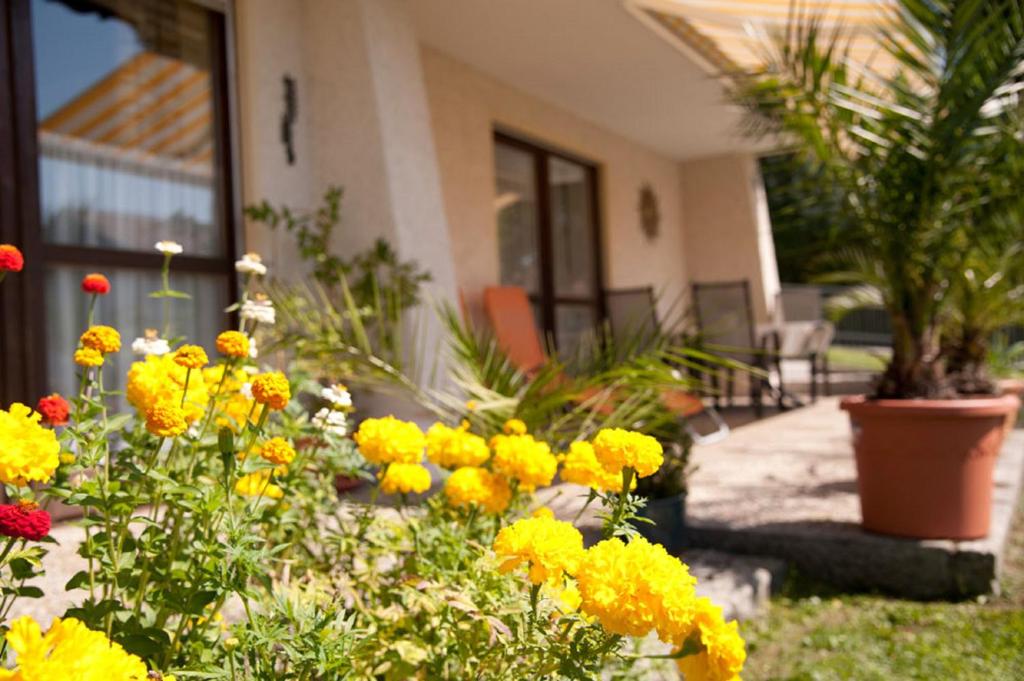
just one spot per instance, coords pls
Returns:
(725, 319)
(632, 314)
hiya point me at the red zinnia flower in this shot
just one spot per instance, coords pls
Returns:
(11, 259)
(54, 409)
(96, 283)
(24, 520)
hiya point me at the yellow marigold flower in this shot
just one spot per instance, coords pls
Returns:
(87, 357)
(103, 339)
(159, 379)
(616, 449)
(67, 459)
(233, 344)
(191, 357)
(723, 651)
(389, 440)
(28, 451)
(580, 466)
(69, 650)
(567, 598)
(520, 457)
(403, 478)
(542, 512)
(232, 406)
(637, 588)
(455, 447)
(166, 420)
(514, 427)
(477, 486)
(271, 389)
(276, 450)
(257, 484)
(472, 405)
(551, 547)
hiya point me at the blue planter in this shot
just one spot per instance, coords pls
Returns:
(669, 528)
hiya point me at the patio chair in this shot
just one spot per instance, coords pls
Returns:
(804, 334)
(725, 319)
(632, 314)
(511, 317)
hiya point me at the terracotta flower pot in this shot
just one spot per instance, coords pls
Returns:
(924, 467)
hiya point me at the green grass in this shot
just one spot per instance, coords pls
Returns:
(847, 357)
(812, 634)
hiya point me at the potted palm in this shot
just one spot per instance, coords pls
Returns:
(922, 143)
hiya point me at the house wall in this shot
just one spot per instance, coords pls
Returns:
(466, 106)
(407, 131)
(728, 230)
(362, 123)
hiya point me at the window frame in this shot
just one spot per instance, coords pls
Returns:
(547, 300)
(23, 362)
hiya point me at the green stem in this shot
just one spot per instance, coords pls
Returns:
(92, 307)
(620, 507)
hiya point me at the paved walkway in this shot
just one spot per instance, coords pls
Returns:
(786, 487)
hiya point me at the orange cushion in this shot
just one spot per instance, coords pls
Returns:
(511, 317)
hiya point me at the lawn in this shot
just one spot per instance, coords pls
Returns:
(852, 358)
(814, 634)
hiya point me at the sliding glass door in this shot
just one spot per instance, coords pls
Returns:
(548, 235)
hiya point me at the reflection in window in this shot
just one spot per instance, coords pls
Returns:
(515, 203)
(128, 309)
(125, 111)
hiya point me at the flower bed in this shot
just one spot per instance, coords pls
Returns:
(215, 493)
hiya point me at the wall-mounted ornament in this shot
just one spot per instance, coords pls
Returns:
(650, 214)
(291, 110)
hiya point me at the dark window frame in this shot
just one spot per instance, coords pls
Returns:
(547, 300)
(23, 361)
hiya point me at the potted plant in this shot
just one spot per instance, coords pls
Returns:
(922, 145)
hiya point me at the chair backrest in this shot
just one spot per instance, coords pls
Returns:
(631, 313)
(511, 317)
(725, 316)
(800, 304)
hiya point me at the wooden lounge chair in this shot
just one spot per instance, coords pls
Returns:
(511, 317)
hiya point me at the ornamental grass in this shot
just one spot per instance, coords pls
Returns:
(216, 545)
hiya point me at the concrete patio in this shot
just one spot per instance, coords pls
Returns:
(786, 487)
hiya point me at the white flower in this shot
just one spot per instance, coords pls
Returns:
(246, 390)
(253, 352)
(150, 344)
(262, 311)
(250, 264)
(169, 247)
(331, 421)
(337, 395)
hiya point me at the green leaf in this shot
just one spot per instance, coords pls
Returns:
(170, 294)
(80, 580)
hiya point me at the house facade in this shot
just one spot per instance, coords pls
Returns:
(567, 146)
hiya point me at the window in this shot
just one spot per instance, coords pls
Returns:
(548, 235)
(115, 138)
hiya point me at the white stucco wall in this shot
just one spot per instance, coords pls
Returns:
(466, 106)
(728, 231)
(363, 123)
(266, 34)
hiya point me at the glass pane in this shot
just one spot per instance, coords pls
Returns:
(128, 309)
(571, 322)
(572, 228)
(515, 204)
(125, 107)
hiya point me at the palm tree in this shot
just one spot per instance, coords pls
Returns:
(922, 142)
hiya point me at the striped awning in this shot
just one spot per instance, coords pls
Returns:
(729, 35)
(152, 111)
